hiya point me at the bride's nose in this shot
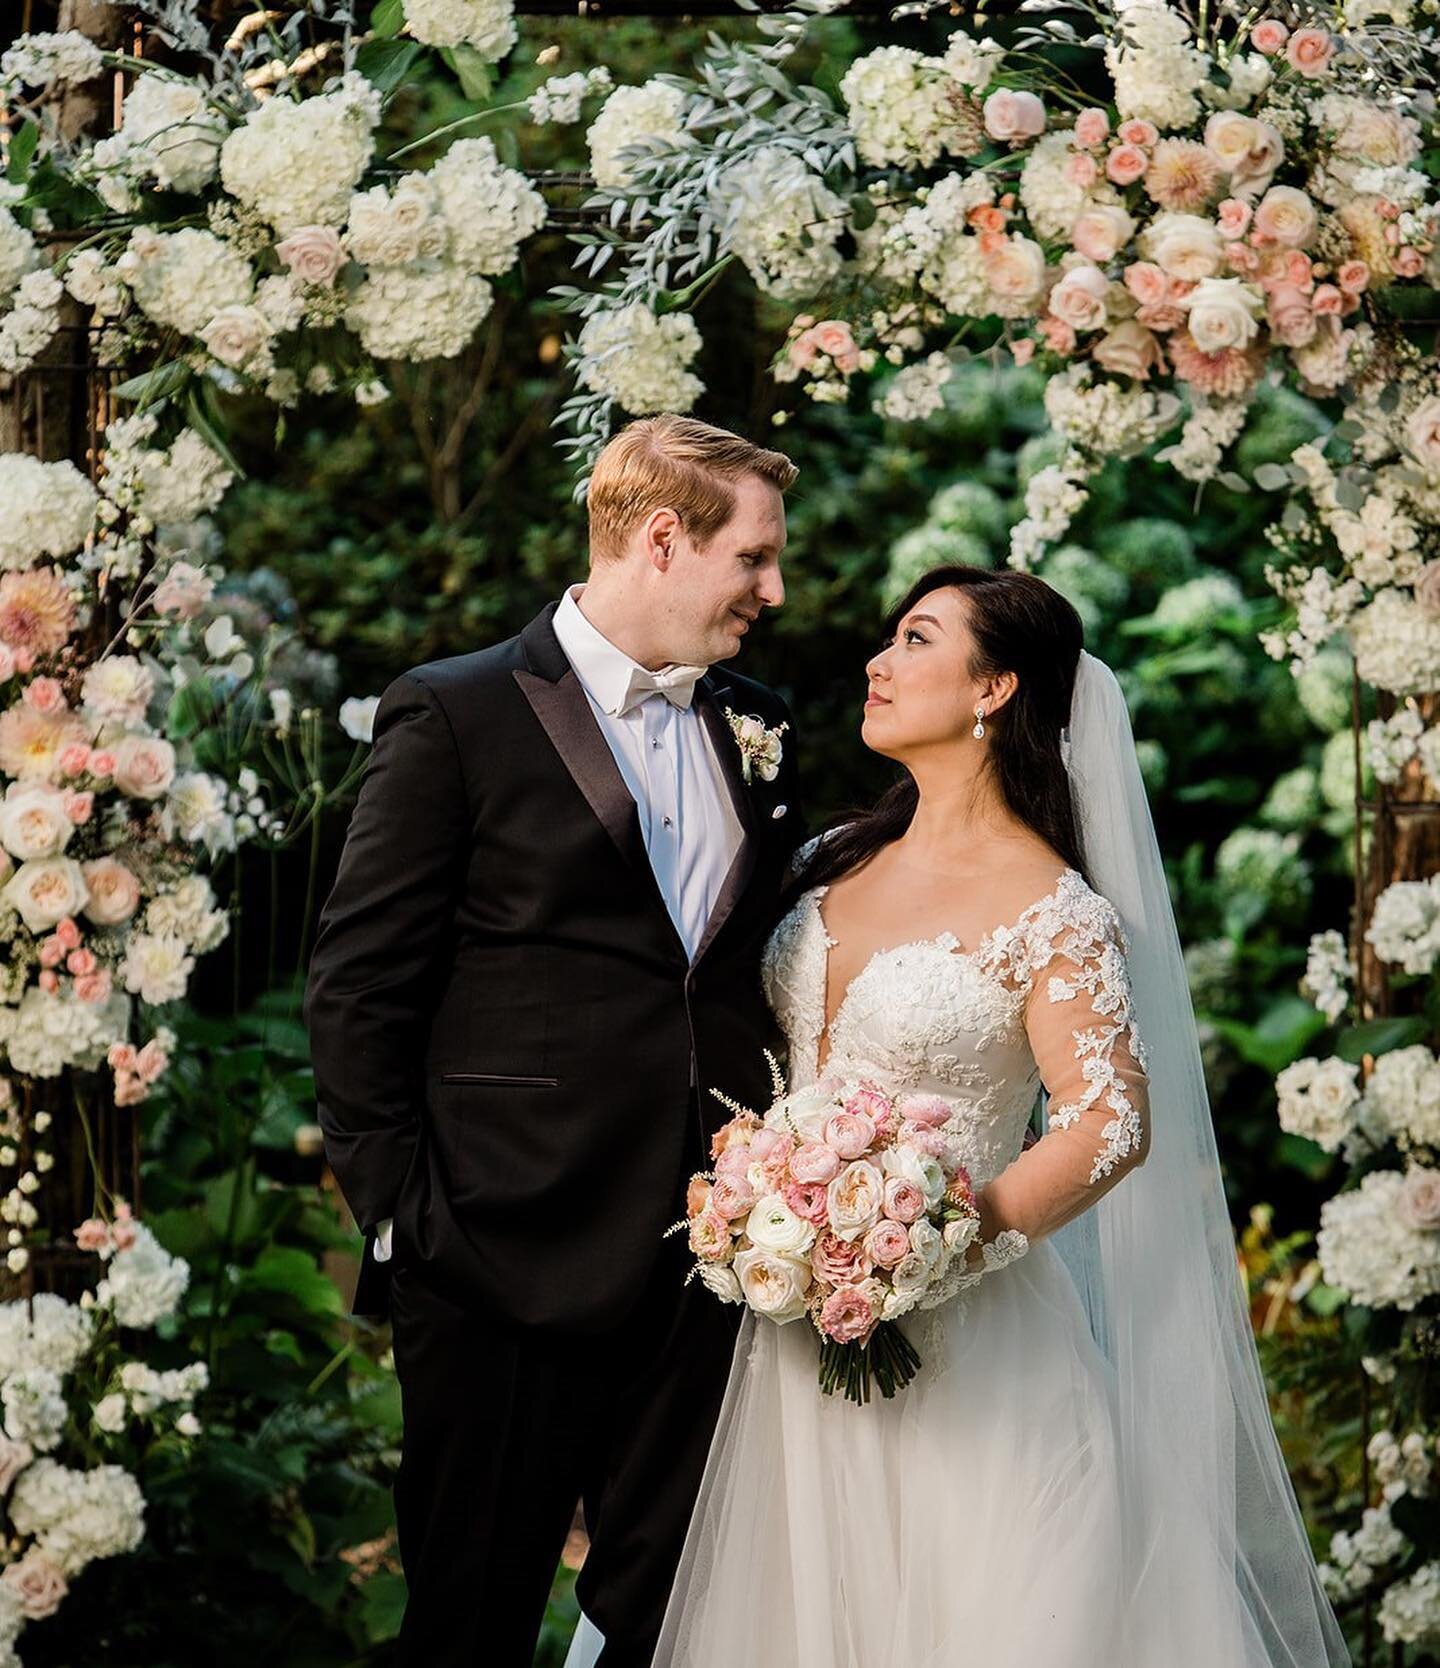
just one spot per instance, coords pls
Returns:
(876, 667)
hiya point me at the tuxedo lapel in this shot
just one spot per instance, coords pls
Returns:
(712, 696)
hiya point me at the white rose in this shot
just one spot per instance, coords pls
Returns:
(44, 892)
(33, 822)
(1247, 149)
(1101, 231)
(110, 1412)
(236, 335)
(804, 1114)
(1286, 215)
(722, 1282)
(157, 967)
(921, 1169)
(773, 1226)
(774, 1285)
(855, 1198)
(1013, 115)
(1222, 314)
(925, 1241)
(1184, 245)
(144, 766)
(1423, 429)
(911, 1275)
(1079, 298)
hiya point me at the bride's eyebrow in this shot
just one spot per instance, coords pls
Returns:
(929, 619)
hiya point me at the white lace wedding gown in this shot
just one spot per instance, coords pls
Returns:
(973, 1520)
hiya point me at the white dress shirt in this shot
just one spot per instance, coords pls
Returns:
(668, 762)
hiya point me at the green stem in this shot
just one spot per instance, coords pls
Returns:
(450, 127)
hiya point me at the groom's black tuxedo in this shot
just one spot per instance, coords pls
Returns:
(512, 1054)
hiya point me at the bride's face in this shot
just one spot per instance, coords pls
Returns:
(922, 693)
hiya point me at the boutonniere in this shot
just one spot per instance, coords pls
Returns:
(760, 750)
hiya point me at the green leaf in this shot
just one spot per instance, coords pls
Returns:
(22, 148)
(1272, 477)
(1307, 1157)
(283, 1268)
(386, 63)
(1379, 1036)
(475, 73)
(280, 1342)
(1281, 1037)
(382, 1603)
(203, 413)
(164, 380)
(387, 18)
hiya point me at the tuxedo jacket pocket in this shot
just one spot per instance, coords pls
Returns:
(500, 1080)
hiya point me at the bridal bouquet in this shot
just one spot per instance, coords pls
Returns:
(845, 1204)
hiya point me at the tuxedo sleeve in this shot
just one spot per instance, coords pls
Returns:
(382, 932)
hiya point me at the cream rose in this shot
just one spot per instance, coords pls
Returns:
(1079, 298)
(1247, 149)
(1292, 318)
(37, 1583)
(1101, 232)
(34, 822)
(1016, 270)
(855, 1199)
(773, 1226)
(1420, 1198)
(774, 1285)
(45, 891)
(1184, 245)
(1129, 350)
(1422, 428)
(1286, 216)
(313, 253)
(144, 766)
(114, 892)
(1013, 116)
(1222, 314)
(236, 335)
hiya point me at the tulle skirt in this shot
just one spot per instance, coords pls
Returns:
(972, 1520)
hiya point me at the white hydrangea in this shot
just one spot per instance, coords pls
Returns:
(1051, 199)
(1328, 970)
(917, 392)
(176, 483)
(43, 60)
(639, 360)
(906, 109)
(49, 509)
(187, 911)
(1379, 540)
(1397, 644)
(143, 1284)
(1368, 1249)
(782, 220)
(1390, 743)
(296, 163)
(561, 97)
(630, 116)
(55, 1337)
(156, 967)
(1317, 1099)
(93, 282)
(19, 253)
(487, 25)
(1356, 1557)
(169, 133)
(417, 313)
(30, 325)
(1322, 606)
(1403, 1092)
(1193, 604)
(1105, 417)
(1405, 924)
(76, 1517)
(1157, 73)
(397, 224)
(149, 1390)
(1410, 1610)
(490, 209)
(51, 1030)
(35, 1409)
(184, 278)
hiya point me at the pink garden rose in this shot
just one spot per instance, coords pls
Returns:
(1137, 131)
(887, 1243)
(74, 758)
(114, 891)
(313, 253)
(849, 1134)
(807, 1200)
(94, 987)
(1082, 170)
(78, 806)
(710, 1237)
(814, 1162)
(144, 766)
(1125, 164)
(838, 1261)
(1327, 299)
(835, 338)
(45, 695)
(1310, 51)
(933, 1110)
(1059, 336)
(1148, 283)
(1013, 115)
(847, 1315)
(1408, 262)
(1092, 128)
(1285, 216)
(37, 1583)
(1079, 298)
(1269, 36)
(764, 1142)
(904, 1202)
(1101, 231)
(1234, 217)
(1292, 319)
(734, 1162)
(731, 1197)
(1353, 276)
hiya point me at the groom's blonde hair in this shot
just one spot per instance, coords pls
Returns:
(676, 463)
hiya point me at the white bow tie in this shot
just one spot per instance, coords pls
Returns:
(675, 683)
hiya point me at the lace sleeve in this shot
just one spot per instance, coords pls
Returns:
(1080, 1022)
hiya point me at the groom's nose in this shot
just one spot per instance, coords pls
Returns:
(771, 587)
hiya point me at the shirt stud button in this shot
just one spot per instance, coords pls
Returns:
(669, 822)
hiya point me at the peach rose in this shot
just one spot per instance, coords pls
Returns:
(814, 1162)
(313, 253)
(1016, 269)
(1079, 298)
(1327, 298)
(731, 1197)
(855, 1198)
(144, 766)
(1286, 216)
(835, 338)
(1092, 128)
(887, 1243)
(1082, 170)
(1184, 245)
(1353, 276)
(1309, 51)
(46, 890)
(1013, 116)
(697, 1195)
(1234, 217)
(1059, 336)
(710, 1237)
(45, 695)
(1292, 319)
(1137, 131)
(92, 1234)
(837, 1261)
(94, 987)
(114, 892)
(847, 1315)
(1130, 349)
(1101, 231)
(1268, 36)
(1147, 283)
(1125, 164)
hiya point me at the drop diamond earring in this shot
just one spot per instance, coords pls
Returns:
(979, 731)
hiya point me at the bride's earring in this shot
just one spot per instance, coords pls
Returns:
(979, 731)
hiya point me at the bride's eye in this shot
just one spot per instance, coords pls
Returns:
(914, 636)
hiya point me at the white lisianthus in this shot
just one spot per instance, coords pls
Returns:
(630, 116)
(196, 811)
(773, 1226)
(187, 911)
(118, 689)
(44, 891)
(357, 716)
(34, 822)
(1223, 313)
(774, 1285)
(157, 967)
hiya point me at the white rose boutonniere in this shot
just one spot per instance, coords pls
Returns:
(760, 750)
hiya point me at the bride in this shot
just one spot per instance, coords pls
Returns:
(1083, 1474)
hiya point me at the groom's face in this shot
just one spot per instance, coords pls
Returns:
(714, 594)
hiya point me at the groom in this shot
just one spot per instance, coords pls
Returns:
(540, 953)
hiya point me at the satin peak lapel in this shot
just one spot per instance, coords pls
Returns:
(712, 697)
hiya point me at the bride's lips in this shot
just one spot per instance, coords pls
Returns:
(875, 701)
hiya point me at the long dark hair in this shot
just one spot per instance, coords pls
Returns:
(1021, 625)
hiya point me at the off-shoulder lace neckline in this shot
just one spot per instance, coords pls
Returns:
(946, 941)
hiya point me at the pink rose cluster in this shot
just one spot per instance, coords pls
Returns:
(843, 1203)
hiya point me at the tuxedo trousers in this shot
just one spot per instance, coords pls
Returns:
(506, 1428)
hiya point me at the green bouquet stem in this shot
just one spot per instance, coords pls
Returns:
(887, 1357)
